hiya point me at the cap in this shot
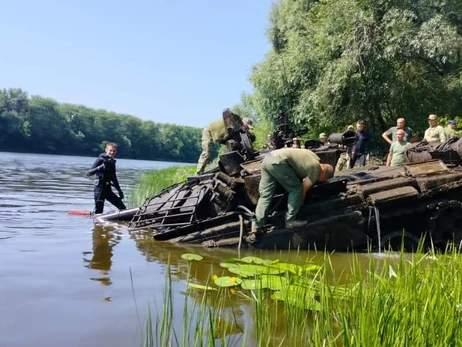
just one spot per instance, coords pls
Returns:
(322, 136)
(452, 122)
(432, 117)
(248, 122)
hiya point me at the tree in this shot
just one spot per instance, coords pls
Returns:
(333, 62)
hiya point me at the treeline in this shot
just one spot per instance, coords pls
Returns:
(42, 125)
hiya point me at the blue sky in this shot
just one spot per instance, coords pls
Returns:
(169, 61)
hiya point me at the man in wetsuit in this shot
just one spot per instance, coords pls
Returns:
(104, 168)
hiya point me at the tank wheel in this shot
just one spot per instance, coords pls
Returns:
(247, 144)
(397, 240)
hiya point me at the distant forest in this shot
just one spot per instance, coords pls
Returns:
(42, 125)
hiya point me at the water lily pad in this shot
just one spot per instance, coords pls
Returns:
(266, 281)
(248, 270)
(191, 256)
(227, 281)
(299, 297)
(255, 260)
(200, 286)
(293, 268)
(227, 265)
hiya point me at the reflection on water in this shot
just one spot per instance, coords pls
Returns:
(104, 238)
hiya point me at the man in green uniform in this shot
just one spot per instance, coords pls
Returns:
(397, 149)
(297, 170)
(435, 132)
(216, 132)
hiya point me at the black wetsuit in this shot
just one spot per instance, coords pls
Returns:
(105, 170)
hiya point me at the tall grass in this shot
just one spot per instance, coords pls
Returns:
(409, 300)
(153, 182)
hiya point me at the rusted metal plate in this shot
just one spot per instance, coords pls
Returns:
(252, 167)
(428, 168)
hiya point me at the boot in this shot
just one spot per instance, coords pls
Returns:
(294, 223)
(255, 229)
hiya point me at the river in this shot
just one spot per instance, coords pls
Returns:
(65, 282)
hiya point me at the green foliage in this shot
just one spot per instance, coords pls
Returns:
(333, 62)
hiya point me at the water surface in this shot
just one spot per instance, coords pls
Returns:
(65, 282)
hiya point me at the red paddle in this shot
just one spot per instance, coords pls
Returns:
(79, 213)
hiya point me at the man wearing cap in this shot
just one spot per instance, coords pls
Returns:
(216, 132)
(409, 134)
(435, 132)
(450, 130)
(296, 170)
(323, 138)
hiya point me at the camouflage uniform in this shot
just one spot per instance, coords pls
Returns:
(215, 132)
(288, 167)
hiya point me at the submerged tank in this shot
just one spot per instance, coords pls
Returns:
(374, 207)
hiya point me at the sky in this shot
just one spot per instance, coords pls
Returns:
(169, 61)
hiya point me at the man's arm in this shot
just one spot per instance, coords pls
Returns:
(386, 138)
(390, 156)
(411, 136)
(98, 166)
(442, 135)
(307, 184)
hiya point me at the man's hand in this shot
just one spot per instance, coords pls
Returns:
(121, 194)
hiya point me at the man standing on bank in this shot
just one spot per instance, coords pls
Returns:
(409, 134)
(104, 168)
(297, 170)
(216, 132)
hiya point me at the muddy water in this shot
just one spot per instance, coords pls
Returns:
(65, 282)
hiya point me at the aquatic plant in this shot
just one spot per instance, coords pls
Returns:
(400, 299)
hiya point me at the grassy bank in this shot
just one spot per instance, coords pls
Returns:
(153, 182)
(404, 300)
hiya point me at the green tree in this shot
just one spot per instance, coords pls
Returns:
(333, 62)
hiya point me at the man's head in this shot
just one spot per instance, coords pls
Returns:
(111, 149)
(400, 134)
(327, 171)
(360, 125)
(452, 124)
(351, 127)
(400, 123)
(432, 120)
(323, 137)
(247, 123)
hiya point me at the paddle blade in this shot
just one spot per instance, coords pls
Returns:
(79, 213)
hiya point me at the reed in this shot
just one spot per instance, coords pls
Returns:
(153, 182)
(404, 300)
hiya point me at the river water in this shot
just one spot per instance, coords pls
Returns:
(66, 282)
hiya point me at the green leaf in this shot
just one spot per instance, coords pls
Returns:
(256, 260)
(299, 297)
(248, 270)
(227, 281)
(191, 256)
(200, 286)
(266, 281)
